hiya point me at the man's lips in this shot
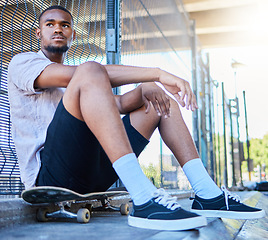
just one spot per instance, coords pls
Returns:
(58, 37)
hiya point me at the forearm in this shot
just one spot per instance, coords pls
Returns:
(55, 75)
(130, 101)
(59, 75)
(120, 75)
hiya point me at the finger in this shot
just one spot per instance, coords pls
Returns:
(157, 108)
(189, 99)
(147, 105)
(178, 98)
(183, 92)
(164, 104)
(194, 103)
(168, 106)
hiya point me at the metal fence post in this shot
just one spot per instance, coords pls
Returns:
(238, 142)
(232, 142)
(225, 175)
(248, 144)
(218, 138)
(211, 130)
(113, 41)
(194, 82)
(113, 33)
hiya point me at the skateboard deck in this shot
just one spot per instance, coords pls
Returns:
(64, 198)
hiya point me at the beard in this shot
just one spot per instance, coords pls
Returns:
(53, 49)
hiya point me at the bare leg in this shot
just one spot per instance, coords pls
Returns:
(173, 131)
(89, 98)
(177, 137)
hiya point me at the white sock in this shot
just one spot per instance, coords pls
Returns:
(138, 185)
(201, 182)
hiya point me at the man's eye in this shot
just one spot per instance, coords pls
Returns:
(49, 24)
(65, 25)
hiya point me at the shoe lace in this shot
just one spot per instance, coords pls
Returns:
(229, 195)
(163, 198)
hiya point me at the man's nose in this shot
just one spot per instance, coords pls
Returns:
(58, 29)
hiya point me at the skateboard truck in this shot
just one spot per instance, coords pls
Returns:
(83, 214)
(106, 206)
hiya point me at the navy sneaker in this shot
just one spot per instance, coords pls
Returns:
(162, 212)
(225, 205)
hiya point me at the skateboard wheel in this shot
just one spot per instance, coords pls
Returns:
(41, 215)
(83, 215)
(124, 209)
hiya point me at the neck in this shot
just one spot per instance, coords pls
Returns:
(54, 57)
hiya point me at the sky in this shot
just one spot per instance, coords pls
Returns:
(251, 77)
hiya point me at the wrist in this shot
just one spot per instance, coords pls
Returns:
(158, 73)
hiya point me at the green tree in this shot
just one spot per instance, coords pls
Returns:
(153, 173)
(259, 151)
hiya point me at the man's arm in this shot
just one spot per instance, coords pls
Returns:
(121, 74)
(145, 94)
(55, 75)
(178, 87)
(59, 75)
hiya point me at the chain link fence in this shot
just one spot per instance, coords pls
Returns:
(18, 21)
(158, 33)
(151, 33)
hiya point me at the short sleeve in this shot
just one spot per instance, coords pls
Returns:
(24, 68)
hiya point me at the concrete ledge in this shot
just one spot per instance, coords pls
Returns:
(230, 228)
(15, 211)
(21, 216)
(256, 229)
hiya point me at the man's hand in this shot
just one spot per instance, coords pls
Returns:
(180, 89)
(153, 94)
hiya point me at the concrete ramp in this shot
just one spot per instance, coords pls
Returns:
(17, 221)
(225, 229)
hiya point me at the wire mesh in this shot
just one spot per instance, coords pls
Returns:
(18, 21)
(154, 33)
(155, 27)
(157, 33)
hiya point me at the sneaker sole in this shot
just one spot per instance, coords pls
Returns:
(230, 214)
(180, 224)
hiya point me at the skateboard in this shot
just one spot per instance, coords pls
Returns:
(62, 199)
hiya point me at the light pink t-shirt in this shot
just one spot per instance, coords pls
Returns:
(31, 111)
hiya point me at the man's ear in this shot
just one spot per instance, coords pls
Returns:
(38, 33)
(74, 35)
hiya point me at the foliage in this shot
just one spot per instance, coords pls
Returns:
(259, 151)
(153, 173)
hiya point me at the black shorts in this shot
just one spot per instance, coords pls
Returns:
(73, 158)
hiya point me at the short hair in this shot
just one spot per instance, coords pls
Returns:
(55, 7)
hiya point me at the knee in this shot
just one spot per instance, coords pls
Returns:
(150, 117)
(175, 108)
(92, 72)
(173, 103)
(91, 68)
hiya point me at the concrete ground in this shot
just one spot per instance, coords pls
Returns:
(17, 221)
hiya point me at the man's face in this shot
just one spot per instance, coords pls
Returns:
(55, 31)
